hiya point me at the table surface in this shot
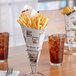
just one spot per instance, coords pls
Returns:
(18, 59)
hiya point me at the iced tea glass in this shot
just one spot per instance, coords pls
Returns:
(4, 44)
(56, 49)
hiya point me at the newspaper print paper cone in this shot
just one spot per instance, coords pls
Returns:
(70, 21)
(29, 20)
(70, 28)
(34, 40)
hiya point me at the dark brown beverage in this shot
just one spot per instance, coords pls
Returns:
(4, 44)
(56, 48)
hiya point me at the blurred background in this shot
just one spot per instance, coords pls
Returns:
(11, 9)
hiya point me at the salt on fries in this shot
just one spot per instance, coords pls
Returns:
(38, 22)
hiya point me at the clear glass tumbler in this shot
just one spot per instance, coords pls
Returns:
(56, 49)
(4, 44)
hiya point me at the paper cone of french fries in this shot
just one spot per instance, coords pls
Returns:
(70, 18)
(33, 27)
(70, 21)
(34, 39)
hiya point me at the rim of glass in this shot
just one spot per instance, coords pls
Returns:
(4, 33)
(58, 35)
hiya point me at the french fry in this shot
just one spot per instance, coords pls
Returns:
(23, 20)
(33, 20)
(23, 15)
(28, 19)
(45, 22)
(40, 27)
(19, 22)
(42, 20)
(38, 22)
(66, 10)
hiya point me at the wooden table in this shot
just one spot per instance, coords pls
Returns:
(18, 59)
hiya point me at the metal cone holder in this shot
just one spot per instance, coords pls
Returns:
(70, 31)
(34, 40)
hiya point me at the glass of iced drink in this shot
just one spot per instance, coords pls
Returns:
(4, 44)
(56, 49)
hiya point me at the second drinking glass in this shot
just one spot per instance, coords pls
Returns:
(56, 49)
(4, 46)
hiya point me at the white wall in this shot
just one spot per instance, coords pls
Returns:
(9, 13)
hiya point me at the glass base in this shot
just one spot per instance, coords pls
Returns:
(52, 64)
(3, 60)
(70, 52)
(37, 74)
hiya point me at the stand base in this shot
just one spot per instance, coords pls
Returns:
(3, 60)
(69, 52)
(37, 74)
(52, 64)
